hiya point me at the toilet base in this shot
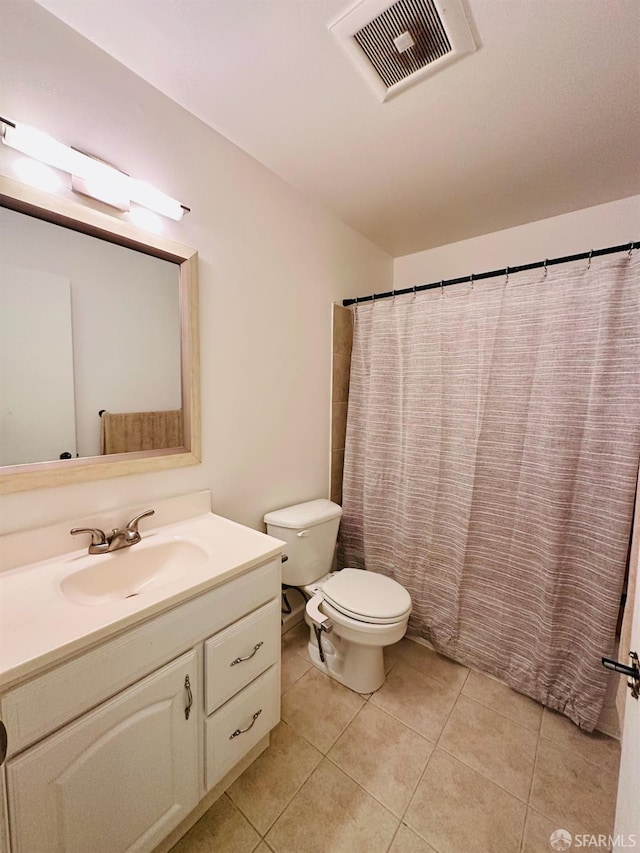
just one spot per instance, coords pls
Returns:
(360, 668)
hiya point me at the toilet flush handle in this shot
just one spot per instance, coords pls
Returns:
(302, 534)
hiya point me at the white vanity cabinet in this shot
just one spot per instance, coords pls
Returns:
(110, 750)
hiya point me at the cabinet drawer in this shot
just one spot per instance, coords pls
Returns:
(237, 727)
(239, 654)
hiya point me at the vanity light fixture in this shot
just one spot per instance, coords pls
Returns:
(37, 174)
(90, 176)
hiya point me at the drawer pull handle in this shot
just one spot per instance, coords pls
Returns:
(248, 657)
(187, 685)
(250, 726)
(3, 742)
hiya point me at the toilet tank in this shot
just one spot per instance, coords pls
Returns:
(310, 530)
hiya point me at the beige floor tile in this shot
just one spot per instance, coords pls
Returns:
(406, 841)
(457, 810)
(499, 748)
(431, 663)
(382, 755)
(319, 709)
(420, 702)
(568, 789)
(596, 747)
(331, 814)
(503, 699)
(293, 668)
(269, 784)
(296, 639)
(222, 829)
(263, 847)
(609, 721)
(391, 655)
(538, 831)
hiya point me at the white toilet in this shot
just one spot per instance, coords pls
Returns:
(353, 613)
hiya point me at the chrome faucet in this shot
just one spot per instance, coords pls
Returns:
(101, 543)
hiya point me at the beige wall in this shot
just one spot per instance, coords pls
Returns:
(592, 228)
(271, 265)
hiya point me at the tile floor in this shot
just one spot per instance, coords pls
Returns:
(439, 760)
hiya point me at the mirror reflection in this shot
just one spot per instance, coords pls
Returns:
(86, 327)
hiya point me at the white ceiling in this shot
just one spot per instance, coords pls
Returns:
(544, 118)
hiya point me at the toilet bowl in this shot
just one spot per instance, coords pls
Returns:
(352, 614)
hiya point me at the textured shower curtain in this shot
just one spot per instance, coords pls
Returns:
(492, 449)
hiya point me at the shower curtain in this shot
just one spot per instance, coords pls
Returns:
(492, 448)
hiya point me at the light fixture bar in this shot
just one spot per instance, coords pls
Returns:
(90, 176)
(153, 199)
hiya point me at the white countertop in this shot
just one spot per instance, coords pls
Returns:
(40, 626)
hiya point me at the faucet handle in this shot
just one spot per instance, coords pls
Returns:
(133, 524)
(98, 536)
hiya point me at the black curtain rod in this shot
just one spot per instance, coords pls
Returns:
(627, 247)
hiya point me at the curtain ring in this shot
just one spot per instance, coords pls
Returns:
(471, 278)
(442, 287)
(589, 264)
(630, 250)
(545, 267)
(506, 281)
(414, 291)
(393, 297)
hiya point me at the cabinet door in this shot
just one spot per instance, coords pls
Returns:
(118, 779)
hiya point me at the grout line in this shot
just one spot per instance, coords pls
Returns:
(506, 716)
(535, 766)
(480, 772)
(394, 836)
(431, 675)
(408, 725)
(368, 794)
(484, 776)
(289, 801)
(326, 756)
(563, 745)
(438, 745)
(426, 767)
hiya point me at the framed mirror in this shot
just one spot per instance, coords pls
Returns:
(99, 345)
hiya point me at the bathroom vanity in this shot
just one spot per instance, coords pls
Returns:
(131, 695)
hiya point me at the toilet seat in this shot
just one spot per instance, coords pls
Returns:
(367, 596)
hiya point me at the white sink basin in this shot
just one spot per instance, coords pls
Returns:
(132, 571)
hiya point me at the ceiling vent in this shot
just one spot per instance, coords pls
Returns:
(396, 46)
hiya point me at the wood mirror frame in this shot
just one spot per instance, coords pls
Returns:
(70, 214)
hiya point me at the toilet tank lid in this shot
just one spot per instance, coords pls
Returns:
(303, 515)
